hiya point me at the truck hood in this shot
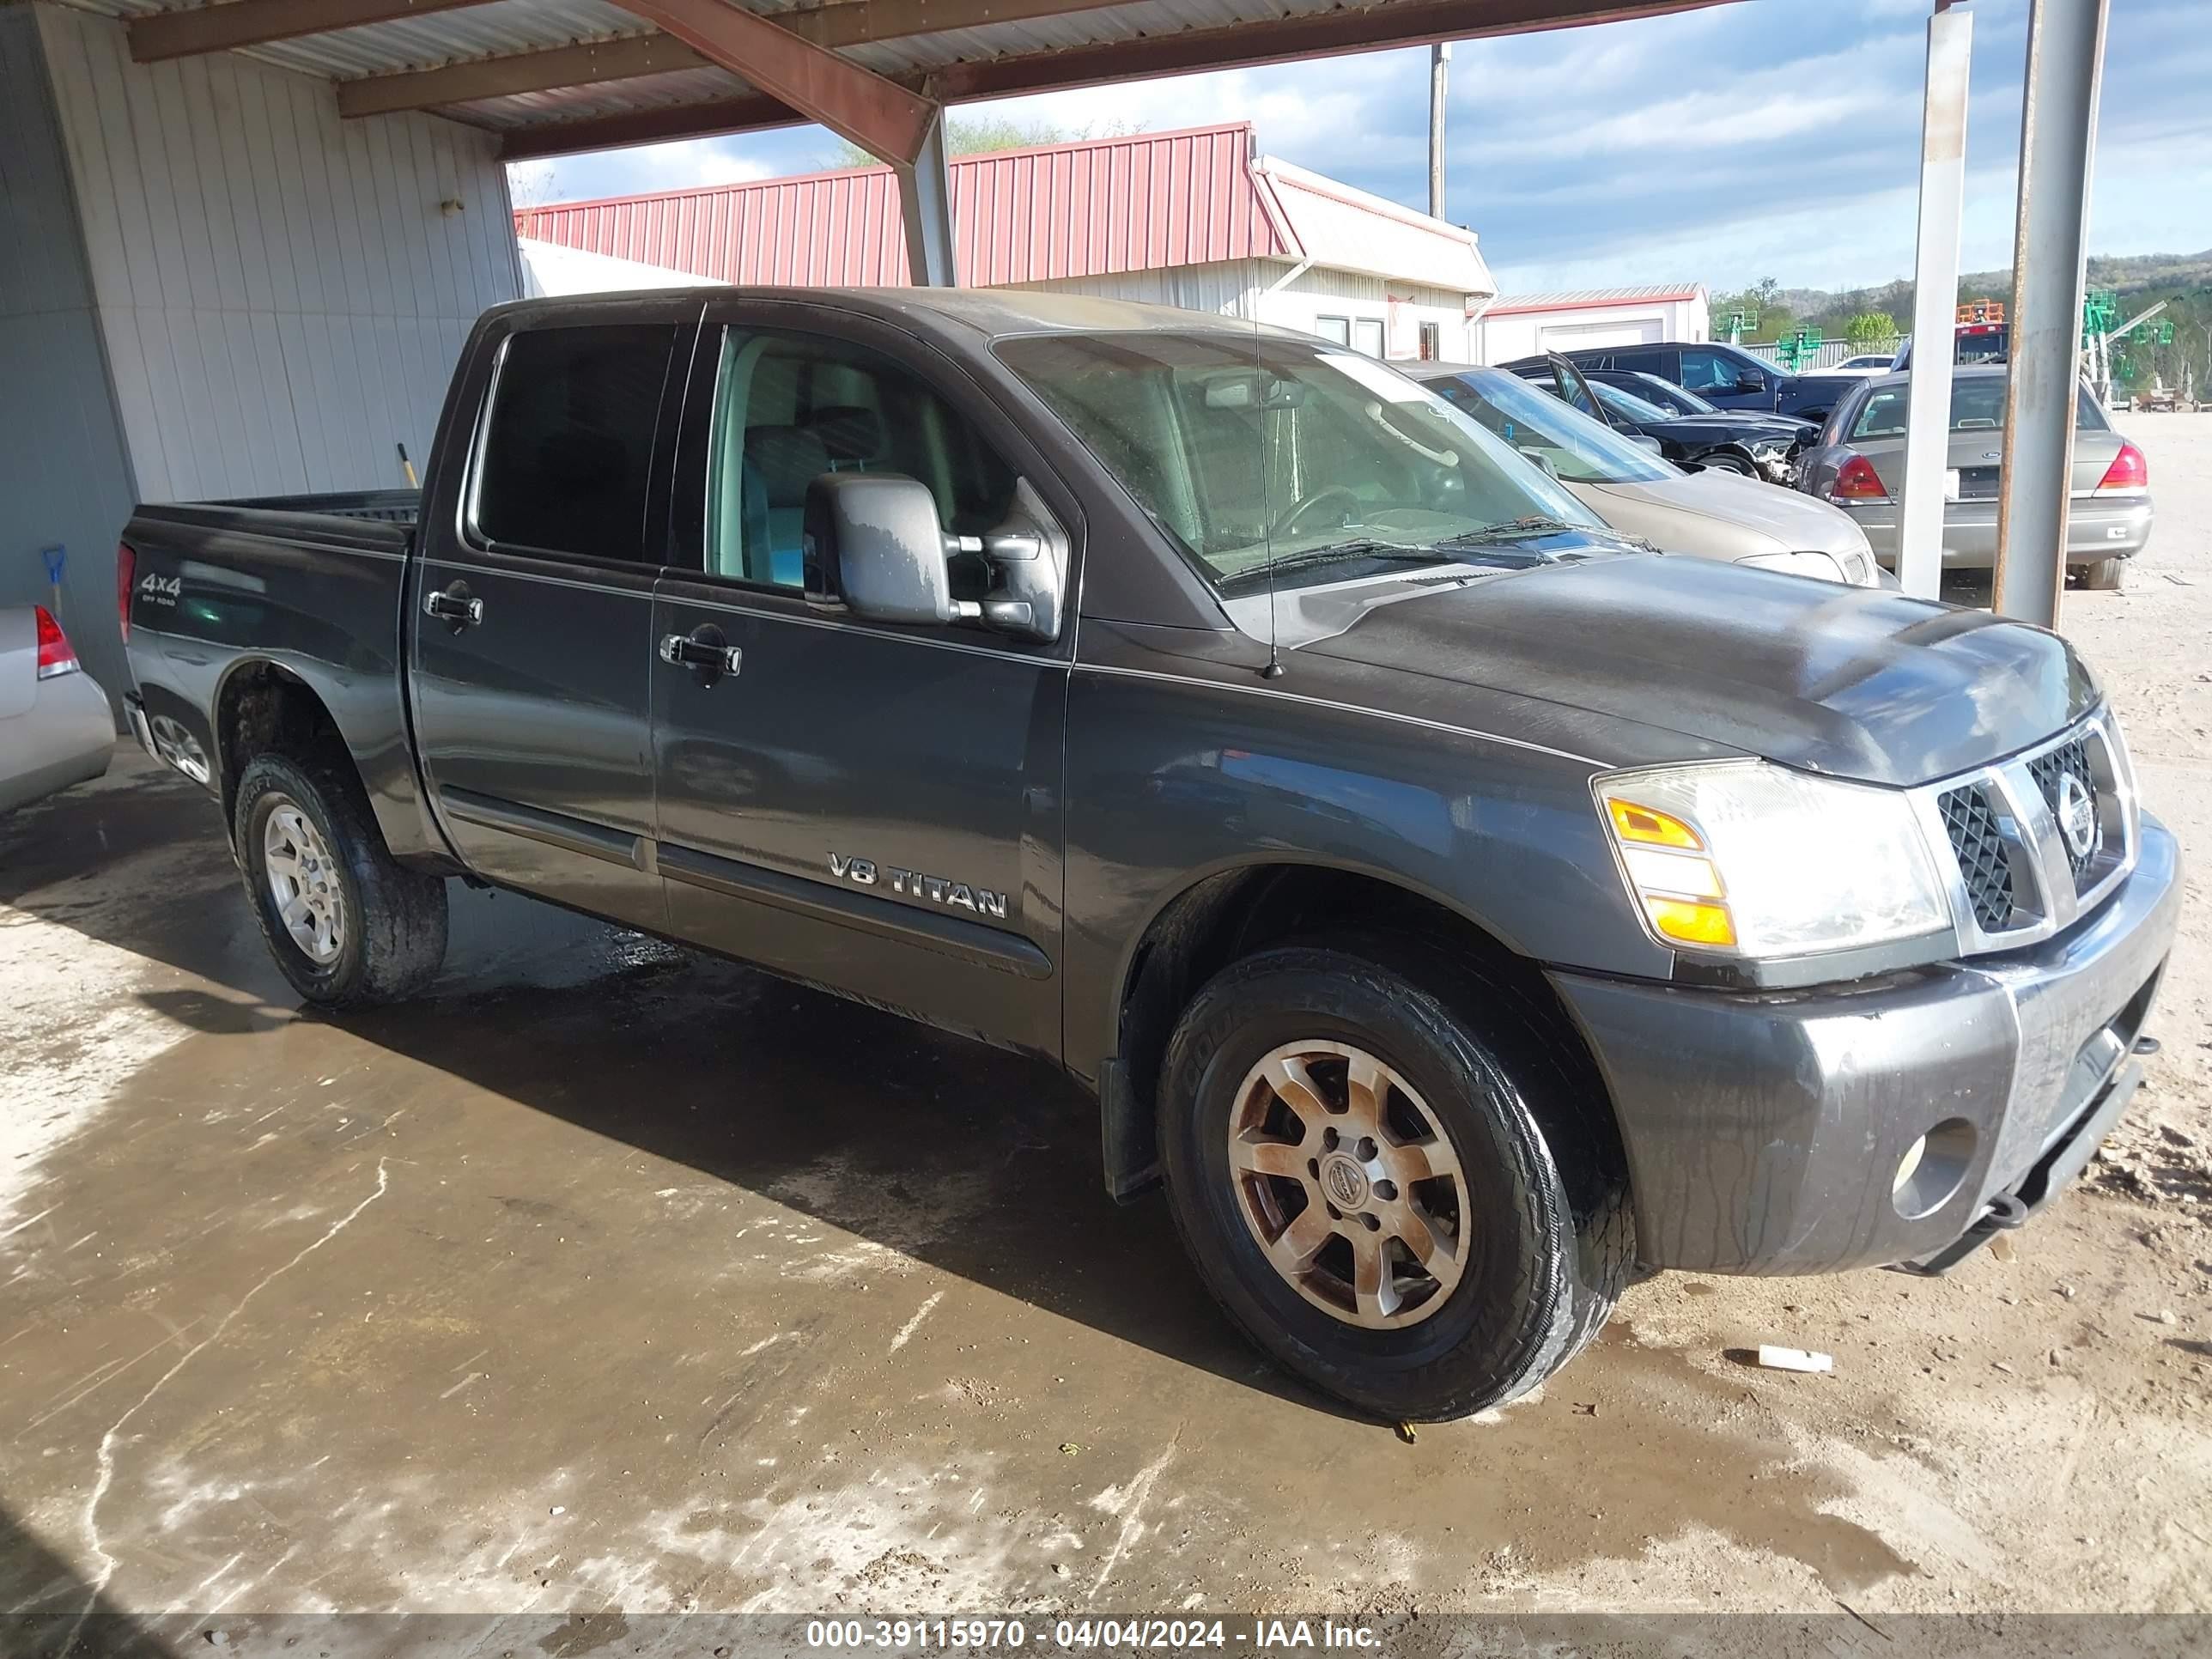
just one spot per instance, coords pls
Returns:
(1856, 682)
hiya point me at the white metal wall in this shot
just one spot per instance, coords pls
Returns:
(65, 483)
(282, 294)
(1240, 289)
(1501, 339)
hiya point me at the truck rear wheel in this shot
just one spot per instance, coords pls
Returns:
(1362, 1180)
(349, 927)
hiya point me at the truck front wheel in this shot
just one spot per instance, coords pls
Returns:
(1364, 1182)
(349, 925)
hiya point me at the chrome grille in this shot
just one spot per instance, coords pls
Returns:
(1979, 845)
(2016, 875)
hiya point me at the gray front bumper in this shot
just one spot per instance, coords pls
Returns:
(1764, 1130)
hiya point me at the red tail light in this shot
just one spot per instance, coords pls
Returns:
(1857, 481)
(126, 576)
(2128, 474)
(55, 656)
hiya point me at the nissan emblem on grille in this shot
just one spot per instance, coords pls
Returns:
(2077, 817)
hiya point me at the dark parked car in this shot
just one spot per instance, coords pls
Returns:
(1814, 397)
(1726, 376)
(1459, 907)
(1727, 441)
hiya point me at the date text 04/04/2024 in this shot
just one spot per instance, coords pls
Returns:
(1259, 1635)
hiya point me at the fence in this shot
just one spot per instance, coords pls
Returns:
(1829, 353)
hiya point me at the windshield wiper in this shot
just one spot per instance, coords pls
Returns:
(1535, 523)
(1339, 553)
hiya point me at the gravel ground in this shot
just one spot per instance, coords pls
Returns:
(618, 1281)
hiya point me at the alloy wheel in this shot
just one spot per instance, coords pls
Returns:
(1349, 1184)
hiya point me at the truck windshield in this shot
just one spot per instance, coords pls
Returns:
(1553, 434)
(1247, 451)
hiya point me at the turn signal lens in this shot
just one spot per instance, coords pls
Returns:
(1650, 826)
(1690, 922)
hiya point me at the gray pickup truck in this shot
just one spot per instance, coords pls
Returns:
(1462, 910)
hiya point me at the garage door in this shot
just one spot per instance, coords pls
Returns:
(1582, 337)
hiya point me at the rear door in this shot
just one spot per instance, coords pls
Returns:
(531, 610)
(871, 807)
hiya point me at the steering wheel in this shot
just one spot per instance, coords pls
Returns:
(1306, 505)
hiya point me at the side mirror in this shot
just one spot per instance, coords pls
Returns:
(1751, 380)
(872, 541)
(1645, 440)
(1536, 457)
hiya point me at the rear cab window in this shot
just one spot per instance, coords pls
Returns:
(1976, 405)
(565, 461)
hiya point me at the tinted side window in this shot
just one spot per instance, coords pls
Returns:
(1708, 371)
(790, 407)
(1642, 362)
(569, 443)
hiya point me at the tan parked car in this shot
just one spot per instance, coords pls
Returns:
(55, 725)
(1708, 514)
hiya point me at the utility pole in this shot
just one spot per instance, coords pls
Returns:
(1935, 301)
(2057, 148)
(1439, 73)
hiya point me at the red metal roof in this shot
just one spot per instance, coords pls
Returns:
(1588, 299)
(1021, 215)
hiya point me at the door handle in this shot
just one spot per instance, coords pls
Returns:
(689, 651)
(455, 605)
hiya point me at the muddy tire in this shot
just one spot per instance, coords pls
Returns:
(1315, 1107)
(2101, 575)
(349, 927)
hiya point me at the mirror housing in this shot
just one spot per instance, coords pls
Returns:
(1750, 380)
(873, 543)
(873, 546)
(1645, 440)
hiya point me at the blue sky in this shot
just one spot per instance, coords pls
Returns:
(1767, 139)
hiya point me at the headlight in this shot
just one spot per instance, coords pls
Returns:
(1746, 859)
(1821, 567)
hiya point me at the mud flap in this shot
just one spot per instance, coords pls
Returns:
(1128, 1137)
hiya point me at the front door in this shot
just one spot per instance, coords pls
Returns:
(532, 619)
(873, 808)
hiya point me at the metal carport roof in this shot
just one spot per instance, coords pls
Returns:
(561, 75)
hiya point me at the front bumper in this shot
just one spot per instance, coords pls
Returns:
(1764, 1130)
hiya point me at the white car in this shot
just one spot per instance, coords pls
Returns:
(1708, 513)
(55, 728)
(1872, 362)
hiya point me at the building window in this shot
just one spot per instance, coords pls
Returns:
(1367, 336)
(1432, 341)
(1337, 331)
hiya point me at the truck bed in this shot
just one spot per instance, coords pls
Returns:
(226, 593)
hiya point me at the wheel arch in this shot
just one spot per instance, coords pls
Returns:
(1217, 917)
(261, 704)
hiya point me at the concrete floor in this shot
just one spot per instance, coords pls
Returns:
(611, 1280)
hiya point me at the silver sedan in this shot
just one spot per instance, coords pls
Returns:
(55, 728)
(1858, 462)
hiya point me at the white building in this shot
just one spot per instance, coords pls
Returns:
(1197, 218)
(1523, 324)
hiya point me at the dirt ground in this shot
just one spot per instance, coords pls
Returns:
(611, 1278)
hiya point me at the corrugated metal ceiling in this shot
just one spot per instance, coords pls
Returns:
(503, 27)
